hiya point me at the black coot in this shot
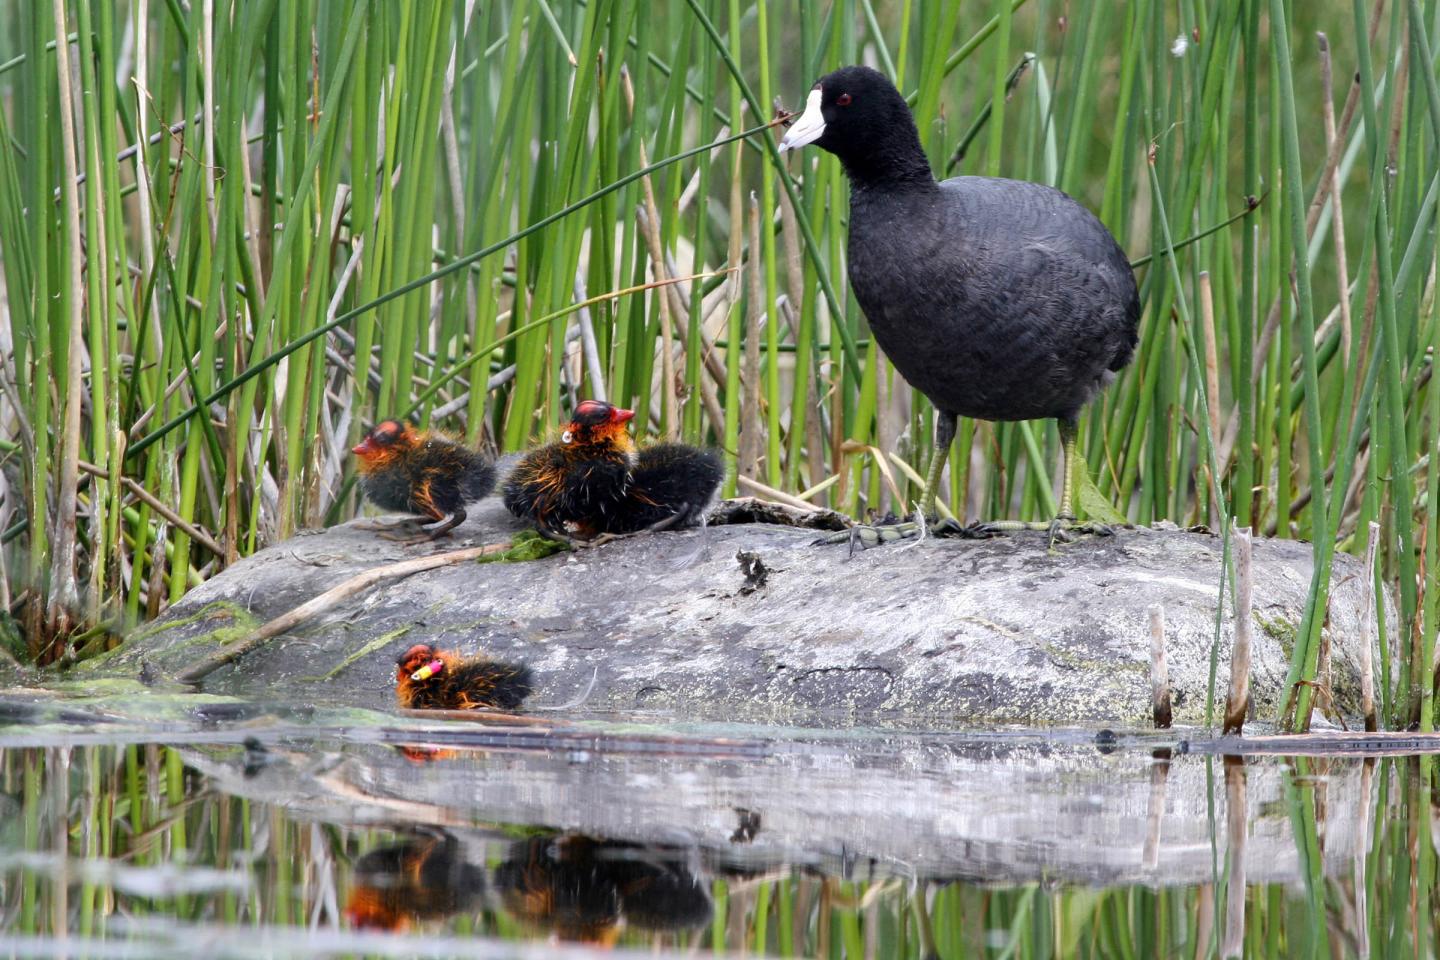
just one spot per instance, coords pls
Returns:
(997, 299)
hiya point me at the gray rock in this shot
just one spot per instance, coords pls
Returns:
(978, 632)
(1007, 808)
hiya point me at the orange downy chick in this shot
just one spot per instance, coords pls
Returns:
(422, 473)
(427, 679)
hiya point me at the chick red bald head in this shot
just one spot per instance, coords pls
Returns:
(412, 661)
(596, 422)
(381, 443)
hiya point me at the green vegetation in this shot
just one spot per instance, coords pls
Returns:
(419, 208)
(160, 858)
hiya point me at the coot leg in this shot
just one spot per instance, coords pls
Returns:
(1069, 429)
(1063, 528)
(944, 436)
(866, 536)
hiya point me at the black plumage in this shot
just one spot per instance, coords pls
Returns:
(588, 890)
(420, 879)
(997, 299)
(671, 479)
(593, 482)
(422, 473)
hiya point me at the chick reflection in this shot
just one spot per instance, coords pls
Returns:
(588, 890)
(419, 879)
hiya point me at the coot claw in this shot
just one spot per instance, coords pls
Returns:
(865, 536)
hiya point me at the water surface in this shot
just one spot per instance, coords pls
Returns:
(257, 837)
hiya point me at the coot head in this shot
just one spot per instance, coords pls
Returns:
(858, 115)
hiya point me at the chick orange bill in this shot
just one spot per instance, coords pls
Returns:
(365, 448)
(429, 670)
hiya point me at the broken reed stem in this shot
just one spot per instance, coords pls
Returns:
(1204, 918)
(1360, 855)
(1212, 379)
(1236, 822)
(1367, 632)
(1155, 811)
(1159, 672)
(779, 496)
(1237, 701)
(1212, 361)
(327, 600)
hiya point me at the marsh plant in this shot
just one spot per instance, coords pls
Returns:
(235, 235)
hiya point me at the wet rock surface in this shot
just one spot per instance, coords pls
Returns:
(1008, 809)
(964, 631)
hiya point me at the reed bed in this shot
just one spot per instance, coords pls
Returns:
(235, 234)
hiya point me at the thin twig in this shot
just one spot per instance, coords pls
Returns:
(770, 493)
(325, 601)
(155, 503)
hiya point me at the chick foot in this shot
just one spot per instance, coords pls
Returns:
(577, 543)
(419, 531)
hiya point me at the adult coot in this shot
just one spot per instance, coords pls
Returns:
(997, 299)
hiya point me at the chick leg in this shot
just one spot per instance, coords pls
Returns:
(604, 538)
(443, 525)
(446, 525)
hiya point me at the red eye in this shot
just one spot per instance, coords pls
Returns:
(843, 100)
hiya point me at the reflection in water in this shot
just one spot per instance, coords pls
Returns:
(416, 880)
(1305, 857)
(577, 888)
(588, 890)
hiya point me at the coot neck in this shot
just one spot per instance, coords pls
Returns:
(897, 163)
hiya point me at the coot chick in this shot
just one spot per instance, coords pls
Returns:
(593, 485)
(997, 299)
(589, 890)
(427, 679)
(424, 473)
(420, 879)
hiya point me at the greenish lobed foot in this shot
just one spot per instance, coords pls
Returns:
(1061, 530)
